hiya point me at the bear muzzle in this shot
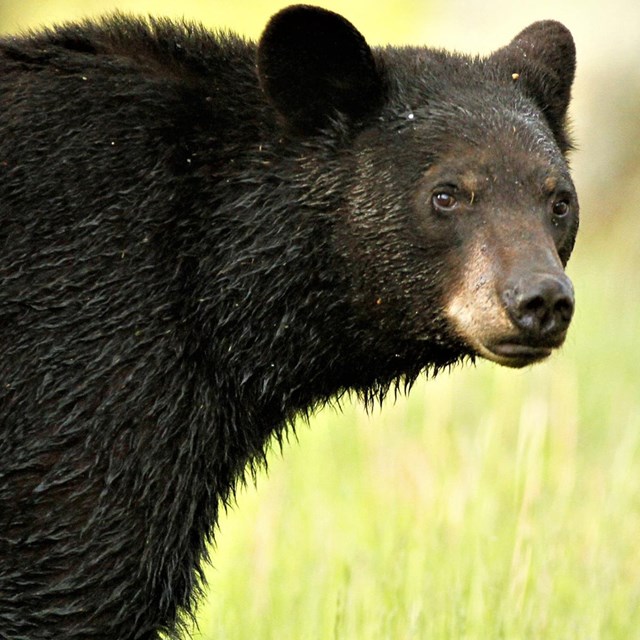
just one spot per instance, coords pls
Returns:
(515, 319)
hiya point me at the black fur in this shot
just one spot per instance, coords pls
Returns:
(192, 253)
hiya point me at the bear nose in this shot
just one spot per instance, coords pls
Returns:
(540, 305)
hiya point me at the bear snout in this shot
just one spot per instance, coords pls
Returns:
(514, 318)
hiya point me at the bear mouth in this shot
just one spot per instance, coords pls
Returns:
(515, 354)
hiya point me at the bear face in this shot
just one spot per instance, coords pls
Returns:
(461, 212)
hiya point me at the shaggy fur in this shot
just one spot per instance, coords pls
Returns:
(195, 249)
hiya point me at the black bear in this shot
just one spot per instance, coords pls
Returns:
(202, 238)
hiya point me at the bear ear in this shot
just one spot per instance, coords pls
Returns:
(313, 64)
(542, 58)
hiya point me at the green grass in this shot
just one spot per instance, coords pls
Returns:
(488, 504)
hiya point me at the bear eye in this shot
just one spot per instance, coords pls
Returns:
(561, 207)
(444, 201)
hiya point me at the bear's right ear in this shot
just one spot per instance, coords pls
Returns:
(314, 64)
(542, 59)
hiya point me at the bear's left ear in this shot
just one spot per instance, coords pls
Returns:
(313, 64)
(542, 58)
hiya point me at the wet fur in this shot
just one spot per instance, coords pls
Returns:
(182, 275)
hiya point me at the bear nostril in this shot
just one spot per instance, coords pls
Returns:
(564, 309)
(536, 306)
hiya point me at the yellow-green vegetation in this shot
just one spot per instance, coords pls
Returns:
(382, 22)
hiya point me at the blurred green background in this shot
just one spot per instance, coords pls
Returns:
(490, 503)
